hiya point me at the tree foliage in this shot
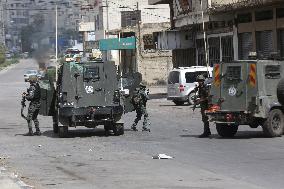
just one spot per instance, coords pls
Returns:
(2, 54)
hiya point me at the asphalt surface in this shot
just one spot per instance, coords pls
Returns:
(87, 159)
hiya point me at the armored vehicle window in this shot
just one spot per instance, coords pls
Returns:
(173, 77)
(91, 73)
(233, 73)
(190, 77)
(272, 72)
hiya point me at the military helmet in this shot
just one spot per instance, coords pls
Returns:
(142, 85)
(200, 78)
(33, 78)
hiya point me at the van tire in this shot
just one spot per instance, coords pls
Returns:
(280, 92)
(226, 131)
(273, 126)
(178, 103)
(190, 101)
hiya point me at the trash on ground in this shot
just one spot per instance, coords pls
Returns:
(162, 156)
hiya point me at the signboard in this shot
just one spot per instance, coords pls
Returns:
(91, 36)
(118, 43)
(86, 26)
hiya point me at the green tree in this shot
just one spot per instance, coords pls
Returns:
(2, 54)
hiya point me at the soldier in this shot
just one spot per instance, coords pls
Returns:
(203, 95)
(139, 101)
(33, 95)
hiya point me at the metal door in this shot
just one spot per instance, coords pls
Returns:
(281, 42)
(233, 86)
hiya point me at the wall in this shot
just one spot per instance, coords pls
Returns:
(154, 65)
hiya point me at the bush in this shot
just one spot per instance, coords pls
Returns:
(2, 54)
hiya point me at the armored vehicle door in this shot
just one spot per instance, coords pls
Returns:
(47, 98)
(238, 85)
(129, 83)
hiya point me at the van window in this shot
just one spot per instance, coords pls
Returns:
(190, 77)
(91, 73)
(272, 72)
(173, 77)
(233, 73)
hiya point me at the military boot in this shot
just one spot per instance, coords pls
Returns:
(146, 129)
(38, 133)
(133, 127)
(206, 133)
(30, 133)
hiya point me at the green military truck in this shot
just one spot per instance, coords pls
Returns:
(87, 93)
(245, 93)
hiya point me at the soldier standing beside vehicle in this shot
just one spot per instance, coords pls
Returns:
(203, 95)
(33, 95)
(139, 101)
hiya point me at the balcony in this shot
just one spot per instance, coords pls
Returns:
(155, 2)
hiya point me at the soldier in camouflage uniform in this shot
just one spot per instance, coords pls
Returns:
(203, 95)
(139, 102)
(33, 95)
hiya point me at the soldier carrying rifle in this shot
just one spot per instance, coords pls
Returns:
(202, 98)
(32, 95)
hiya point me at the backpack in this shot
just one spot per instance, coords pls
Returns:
(136, 99)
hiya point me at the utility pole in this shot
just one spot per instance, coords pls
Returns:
(204, 36)
(56, 39)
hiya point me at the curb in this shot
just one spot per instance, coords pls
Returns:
(13, 178)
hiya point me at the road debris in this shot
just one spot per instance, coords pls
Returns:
(162, 156)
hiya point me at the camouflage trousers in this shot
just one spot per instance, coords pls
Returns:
(141, 111)
(205, 119)
(33, 111)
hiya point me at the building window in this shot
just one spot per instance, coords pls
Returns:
(264, 15)
(244, 18)
(148, 41)
(245, 45)
(130, 18)
(280, 13)
(227, 49)
(264, 43)
(214, 50)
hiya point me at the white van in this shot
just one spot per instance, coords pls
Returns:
(182, 81)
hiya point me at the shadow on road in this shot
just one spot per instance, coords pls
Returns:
(157, 96)
(239, 135)
(78, 133)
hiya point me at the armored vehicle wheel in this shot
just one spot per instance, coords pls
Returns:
(178, 103)
(273, 126)
(63, 131)
(226, 131)
(118, 129)
(190, 101)
(280, 92)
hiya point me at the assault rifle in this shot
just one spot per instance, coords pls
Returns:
(23, 103)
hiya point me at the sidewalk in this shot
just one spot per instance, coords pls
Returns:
(10, 181)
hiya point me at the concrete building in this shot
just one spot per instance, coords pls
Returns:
(135, 20)
(232, 29)
(260, 25)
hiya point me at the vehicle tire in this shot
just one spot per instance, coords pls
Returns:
(226, 131)
(118, 129)
(273, 126)
(63, 131)
(280, 92)
(178, 103)
(190, 101)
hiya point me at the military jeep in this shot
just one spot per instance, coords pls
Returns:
(245, 93)
(87, 93)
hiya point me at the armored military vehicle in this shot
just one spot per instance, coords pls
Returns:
(87, 94)
(244, 93)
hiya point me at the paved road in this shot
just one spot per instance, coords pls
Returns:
(89, 160)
